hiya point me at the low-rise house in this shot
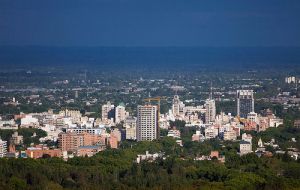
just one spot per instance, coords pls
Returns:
(213, 155)
(229, 135)
(198, 136)
(41, 151)
(148, 157)
(245, 147)
(89, 150)
(16, 139)
(174, 133)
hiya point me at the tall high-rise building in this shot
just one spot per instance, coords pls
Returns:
(120, 113)
(3, 148)
(147, 123)
(107, 111)
(245, 102)
(176, 105)
(210, 114)
(210, 106)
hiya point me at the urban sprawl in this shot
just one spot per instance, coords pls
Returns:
(70, 133)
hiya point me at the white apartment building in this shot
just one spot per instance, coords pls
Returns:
(8, 124)
(120, 113)
(176, 105)
(187, 110)
(211, 132)
(147, 123)
(106, 109)
(174, 133)
(290, 79)
(28, 120)
(229, 135)
(130, 126)
(247, 137)
(131, 133)
(245, 147)
(210, 114)
(75, 115)
(252, 116)
(246, 144)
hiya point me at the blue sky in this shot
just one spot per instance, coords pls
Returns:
(150, 22)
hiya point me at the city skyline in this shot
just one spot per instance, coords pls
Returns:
(149, 94)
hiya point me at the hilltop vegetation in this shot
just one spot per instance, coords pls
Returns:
(116, 169)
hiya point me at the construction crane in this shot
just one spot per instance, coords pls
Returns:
(156, 99)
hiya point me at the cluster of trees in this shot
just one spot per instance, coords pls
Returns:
(116, 169)
(27, 133)
(282, 136)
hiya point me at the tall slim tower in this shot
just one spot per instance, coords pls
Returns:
(245, 102)
(120, 113)
(147, 123)
(107, 111)
(210, 114)
(210, 106)
(176, 105)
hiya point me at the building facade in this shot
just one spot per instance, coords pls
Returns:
(16, 139)
(230, 135)
(176, 105)
(71, 141)
(245, 147)
(147, 123)
(120, 113)
(210, 114)
(39, 152)
(107, 111)
(245, 102)
(130, 126)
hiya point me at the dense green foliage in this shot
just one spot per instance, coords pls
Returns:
(116, 169)
(27, 134)
(282, 136)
